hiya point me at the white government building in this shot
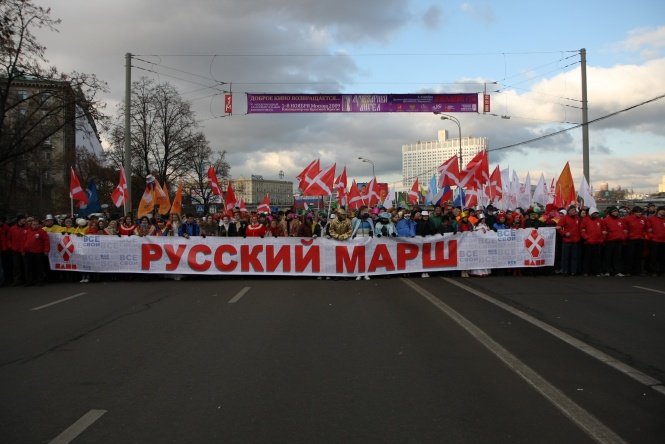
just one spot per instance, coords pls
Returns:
(421, 159)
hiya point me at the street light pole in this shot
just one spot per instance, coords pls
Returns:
(367, 160)
(459, 127)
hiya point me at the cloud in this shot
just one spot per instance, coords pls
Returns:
(433, 17)
(304, 46)
(648, 42)
(482, 12)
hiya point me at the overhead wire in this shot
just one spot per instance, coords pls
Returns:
(556, 133)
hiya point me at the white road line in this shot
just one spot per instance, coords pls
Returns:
(583, 419)
(57, 302)
(649, 289)
(239, 295)
(629, 371)
(78, 427)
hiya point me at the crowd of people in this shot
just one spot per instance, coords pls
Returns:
(615, 242)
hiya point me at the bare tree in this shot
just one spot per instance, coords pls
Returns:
(163, 128)
(37, 102)
(199, 159)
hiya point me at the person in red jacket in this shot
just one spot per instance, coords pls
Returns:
(255, 229)
(15, 239)
(636, 225)
(591, 230)
(569, 227)
(656, 233)
(615, 232)
(35, 246)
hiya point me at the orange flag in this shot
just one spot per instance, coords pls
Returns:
(176, 207)
(565, 186)
(147, 203)
(163, 201)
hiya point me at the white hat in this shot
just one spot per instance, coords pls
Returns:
(593, 210)
(425, 213)
(49, 217)
(81, 222)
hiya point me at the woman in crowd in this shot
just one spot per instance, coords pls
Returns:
(127, 227)
(145, 228)
(255, 229)
(172, 225)
(516, 220)
(464, 224)
(307, 226)
(227, 228)
(112, 229)
(209, 226)
(275, 230)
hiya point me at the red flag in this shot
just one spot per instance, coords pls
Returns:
(471, 198)
(340, 186)
(305, 178)
(264, 206)
(449, 172)
(372, 193)
(212, 181)
(414, 194)
(495, 189)
(354, 197)
(476, 172)
(230, 198)
(75, 190)
(243, 208)
(558, 198)
(119, 195)
(322, 183)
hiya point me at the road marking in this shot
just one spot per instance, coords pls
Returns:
(629, 371)
(583, 419)
(239, 295)
(57, 302)
(649, 289)
(78, 427)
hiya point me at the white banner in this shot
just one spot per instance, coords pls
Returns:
(302, 256)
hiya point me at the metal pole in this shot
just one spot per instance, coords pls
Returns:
(461, 162)
(128, 134)
(459, 127)
(367, 160)
(585, 119)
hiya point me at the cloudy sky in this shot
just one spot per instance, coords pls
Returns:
(526, 56)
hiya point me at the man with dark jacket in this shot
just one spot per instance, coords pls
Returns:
(189, 228)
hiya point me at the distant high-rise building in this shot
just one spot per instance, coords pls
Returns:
(421, 159)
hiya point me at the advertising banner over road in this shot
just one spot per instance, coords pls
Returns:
(302, 256)
(361, 103)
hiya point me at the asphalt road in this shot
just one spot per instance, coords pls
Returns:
(305, 360)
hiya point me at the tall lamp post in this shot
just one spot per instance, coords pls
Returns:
(367, 160)
(459, 127)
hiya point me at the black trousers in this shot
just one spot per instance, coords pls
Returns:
(592, 262)
(657, 257)
(34, 268)
(633, 256)
(613, 257)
